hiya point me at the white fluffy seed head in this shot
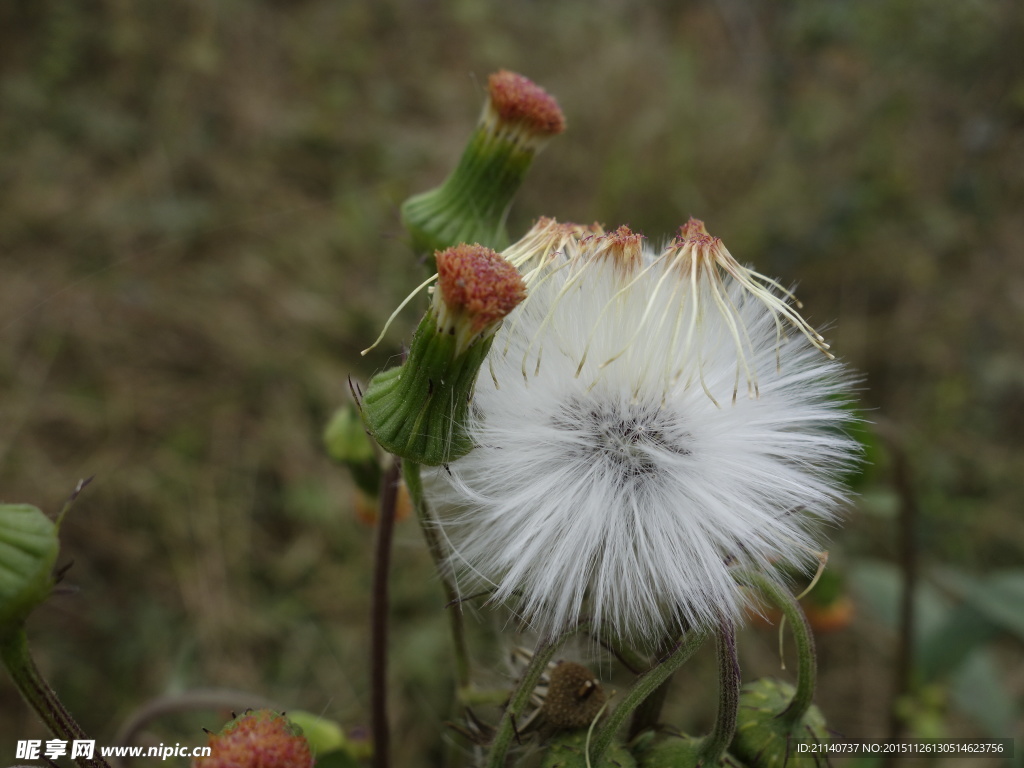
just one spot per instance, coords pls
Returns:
(618, 475)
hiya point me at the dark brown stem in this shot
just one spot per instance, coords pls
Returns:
(379, 618)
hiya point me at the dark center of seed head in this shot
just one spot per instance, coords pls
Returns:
(625, 439)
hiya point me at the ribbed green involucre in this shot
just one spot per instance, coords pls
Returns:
(418, 411)
(470, 205)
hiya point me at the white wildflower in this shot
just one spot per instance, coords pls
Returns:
(648, 422)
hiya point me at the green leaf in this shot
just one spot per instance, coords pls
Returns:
(946, 648)
(1001, 598)
(979, 690)
(879, 588)
(948, 637)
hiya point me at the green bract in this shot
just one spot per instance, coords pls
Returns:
(678, 752)
(768, 734)
(569, 751)
(28, 550)
(470, 206)
(417, 410)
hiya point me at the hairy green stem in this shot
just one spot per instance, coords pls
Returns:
(506, 730)
(643, 687)
(16, 657)
(646, 715)
(713, 746)
(648, 712)
(414, 484)
(807, 664)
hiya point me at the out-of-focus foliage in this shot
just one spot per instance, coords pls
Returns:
(199, 231)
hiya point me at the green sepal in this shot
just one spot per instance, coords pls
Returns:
(28, 550)
(471, 205)
(769, 731)
(418, 410)
(569, 751)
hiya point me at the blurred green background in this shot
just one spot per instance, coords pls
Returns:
(199, 232)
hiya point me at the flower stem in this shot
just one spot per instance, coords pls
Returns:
(643, 687)
(506, 730)
(807, 666)
(646, 715)
(16, 657)
(632, 660)
(715, 743)
(379, 618)
(414, 485)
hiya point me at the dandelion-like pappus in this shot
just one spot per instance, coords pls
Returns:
(643, 423)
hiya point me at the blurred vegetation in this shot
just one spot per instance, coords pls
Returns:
(199, 231)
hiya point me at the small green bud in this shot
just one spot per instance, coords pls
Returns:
(28, 550)
(347, 443)
(418, 410)
(768, 732)
(322, 734)
(471, 204)
(569, 751)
